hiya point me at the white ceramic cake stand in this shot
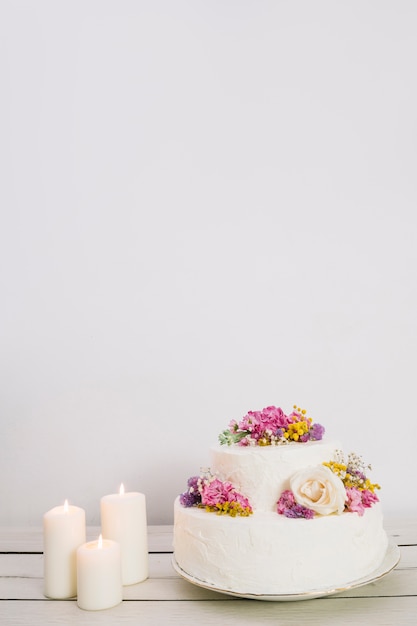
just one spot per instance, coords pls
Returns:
(391, 559)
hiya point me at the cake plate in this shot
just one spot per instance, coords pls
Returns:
(391, 559)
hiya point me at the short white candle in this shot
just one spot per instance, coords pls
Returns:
(99, 575)
(123, 519)
(63, 533)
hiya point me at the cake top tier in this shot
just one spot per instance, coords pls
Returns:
(271, 427)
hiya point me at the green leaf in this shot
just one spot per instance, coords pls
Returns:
(226, 437)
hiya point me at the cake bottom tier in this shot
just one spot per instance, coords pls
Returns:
(268, 553)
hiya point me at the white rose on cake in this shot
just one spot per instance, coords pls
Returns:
(319, 489)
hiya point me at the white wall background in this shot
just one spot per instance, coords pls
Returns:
(206, 207)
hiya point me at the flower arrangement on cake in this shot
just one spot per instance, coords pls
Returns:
(271, 427)
(333, 487)
(215, 496)
(330, 488)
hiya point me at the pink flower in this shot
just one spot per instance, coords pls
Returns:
(217, 492)
(216, 496)
(286, 501)
(247, 422)
(244, 502)
(228, 492)
(359, 500)
(214, 493)
(294, 416)
(354, 502)
(369, 498)
(270, 418)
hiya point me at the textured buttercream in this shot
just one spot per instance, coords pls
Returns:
(268, 553)
(262, 473)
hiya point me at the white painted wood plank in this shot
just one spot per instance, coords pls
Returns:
(21, 565)
(31, 565)
(408, 557)
(26, 582)
(402, 529)
(30, 539)
(397, 584)
(174, 589)
(335, 611)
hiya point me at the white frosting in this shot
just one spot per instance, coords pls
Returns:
(267, 553)
(262, 473)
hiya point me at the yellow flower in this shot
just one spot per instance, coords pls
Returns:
(370, 486)
(296, 430)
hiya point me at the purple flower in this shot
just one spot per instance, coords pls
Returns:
(356, 472)
(317, 432)
(299, 511)
(288, 507)
(193, 495)
(192, 482)
(190, 499)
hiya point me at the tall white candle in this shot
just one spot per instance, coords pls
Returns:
(123, 519)
(99, 575)
(63, 533)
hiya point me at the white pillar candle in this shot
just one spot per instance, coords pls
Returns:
(63, 533)
(99, 575)
(123, 519)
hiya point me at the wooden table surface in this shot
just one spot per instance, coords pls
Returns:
(165, 598)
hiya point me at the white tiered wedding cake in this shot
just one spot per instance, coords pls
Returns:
(294, 514)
